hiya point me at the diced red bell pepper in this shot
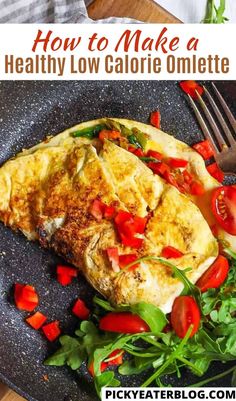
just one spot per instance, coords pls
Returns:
(216, 172)
(26, 298)
(103, 367)
(170, 252)
(52, 330)
(190, 87)
(113, 256)
(155, 118)
(125, 260)
(159, 168)
(154, 154)
(205, 149)
(37, 320)
(80, 310)
(109, 134)
(116, 358)
(65, 274)
(174, 162)
(196, 188)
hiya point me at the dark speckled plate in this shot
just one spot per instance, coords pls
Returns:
(28, 111)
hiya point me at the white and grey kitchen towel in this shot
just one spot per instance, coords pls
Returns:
(74, 11)
(48, 11)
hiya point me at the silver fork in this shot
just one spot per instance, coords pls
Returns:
(224, 146)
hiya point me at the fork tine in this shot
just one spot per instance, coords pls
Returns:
(212, 123)
(230, 116)
(203, 125)
(225, 127)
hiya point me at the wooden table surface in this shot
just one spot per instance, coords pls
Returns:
(142, 10)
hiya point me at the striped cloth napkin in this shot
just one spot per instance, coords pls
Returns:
(48, 11)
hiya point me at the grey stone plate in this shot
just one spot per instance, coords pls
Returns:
(28, 111)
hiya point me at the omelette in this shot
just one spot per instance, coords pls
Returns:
(47, 193)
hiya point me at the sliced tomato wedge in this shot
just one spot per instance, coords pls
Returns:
(224, 207)
(37, 320)
(185, 312)
(190, 88)
(171, 252)
(216, 172)
(155, 118)
(103, 367)
(109, 134)
(52, 330)
(174, 162)
(113, 257)
(205, 149)
(116, 358)
(215, 276)
(80, 310)
(123, 322)
(125, 260)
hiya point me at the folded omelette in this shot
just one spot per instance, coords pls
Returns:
(47, 192)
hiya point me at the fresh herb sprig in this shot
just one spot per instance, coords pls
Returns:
(214, 14)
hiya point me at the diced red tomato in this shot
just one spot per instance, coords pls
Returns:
(37, 320)
(159, 168)
(174, 162)
(154, 154)
(215, 276)
(155, 118)
(125, 260)
(223, 206)
(216, 172)
(170, 178)
(205, 149)
(97, 209)
(113, 257)
(103, 367)
(128, 226)
(170, 252)
(65, 274)
(188, 178)
(80, 310)
(108, 134)
(185, 312)
(190, 87)
(136, 151)
(109, 212)
(52, 330)
(116, 358)
(123, 322)
(196, 188)
(26, 298)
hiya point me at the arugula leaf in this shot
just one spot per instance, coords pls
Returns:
(105, 379)
(71, 353)
(215, 15)
(152, 315)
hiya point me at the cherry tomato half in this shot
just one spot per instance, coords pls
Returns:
(123, 322)
(215, 275)
(224, 208)
(185, 312)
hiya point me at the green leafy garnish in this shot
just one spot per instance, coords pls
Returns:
(215, 15)
(160, 353)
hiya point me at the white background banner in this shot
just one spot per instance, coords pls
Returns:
(117, 51)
